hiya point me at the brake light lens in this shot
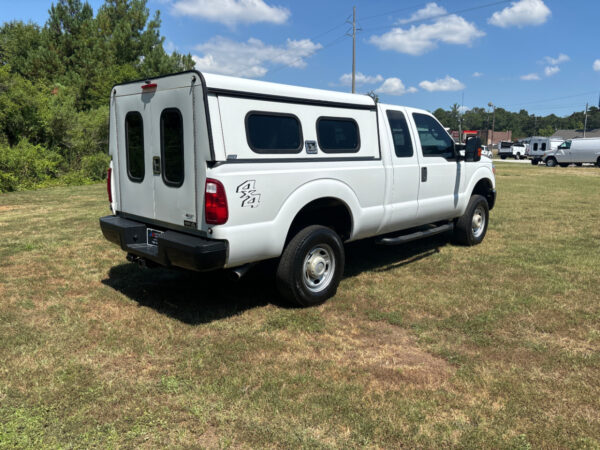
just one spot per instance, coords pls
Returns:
(148, 86)
(108, 189)
(215, 203)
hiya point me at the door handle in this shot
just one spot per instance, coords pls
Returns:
(423, 174)
(156, 165)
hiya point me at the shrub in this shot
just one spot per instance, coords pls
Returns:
(95, 166)
(26, 165)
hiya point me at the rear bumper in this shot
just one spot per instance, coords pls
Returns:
(173, 249)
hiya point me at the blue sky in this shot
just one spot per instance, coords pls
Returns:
(541, 55)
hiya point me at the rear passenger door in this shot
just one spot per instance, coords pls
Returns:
(442, 175)
(405, 164)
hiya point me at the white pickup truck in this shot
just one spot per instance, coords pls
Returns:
(211, 172)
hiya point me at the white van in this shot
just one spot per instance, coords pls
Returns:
(576, 151)
(212, 172)
(538, 146)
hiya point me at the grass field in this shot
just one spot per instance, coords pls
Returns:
(425, 345)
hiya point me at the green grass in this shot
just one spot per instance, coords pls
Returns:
(425, 345)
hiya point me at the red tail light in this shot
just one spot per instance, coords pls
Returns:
(108, 189)
(215, 203)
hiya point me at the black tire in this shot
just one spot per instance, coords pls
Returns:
(293, 282)
(534, 162)
(579, 164)
(551, 162)
(518, 156)
(503, 156)
(598, 162)
(464, 233)
(563, 165)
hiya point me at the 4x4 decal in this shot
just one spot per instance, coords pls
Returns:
(247, 191)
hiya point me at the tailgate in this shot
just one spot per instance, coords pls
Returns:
(160, 146)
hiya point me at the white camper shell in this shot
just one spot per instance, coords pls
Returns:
(211, 172)
(538, 146)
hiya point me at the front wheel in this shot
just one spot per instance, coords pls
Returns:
(471, 227)
(551, 162)
(311, 266)
(598, 162)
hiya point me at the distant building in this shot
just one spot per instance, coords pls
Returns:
(574, 134)
(485, 135)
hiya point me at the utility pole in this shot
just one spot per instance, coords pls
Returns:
(462, 102)
(491, 105)
(354, 49)
(585, 123)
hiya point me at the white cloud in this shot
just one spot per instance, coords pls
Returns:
(251, 58)
(346, 79)
(596, 65)
(551, 70)
(561, 58)
(521, 13)
(443, 84)
(463, 109)
(477, 74)
(394, 86)
(231, 12)
(420, 39)
(530, 77)
(430, 10)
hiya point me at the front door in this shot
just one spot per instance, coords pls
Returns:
(442, 174)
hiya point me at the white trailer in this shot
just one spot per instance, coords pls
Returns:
(538, 146)
(212, 172)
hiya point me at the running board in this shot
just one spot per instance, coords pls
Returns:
(416, 235)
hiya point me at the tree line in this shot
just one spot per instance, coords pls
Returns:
(55, 82)
(521, 123)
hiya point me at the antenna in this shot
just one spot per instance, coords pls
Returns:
(354, 30)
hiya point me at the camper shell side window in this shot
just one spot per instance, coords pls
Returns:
(338, 135)
(134, 146)
(273, 132)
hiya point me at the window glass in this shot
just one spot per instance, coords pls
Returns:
(567, 144)
(134, 144)
(535, 146)
(400, 134)
(273, 133)
(434, 139)
(543, 146)
(338, 135)
(171, 134)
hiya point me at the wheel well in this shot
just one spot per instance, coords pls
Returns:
(484, 187)
(330, 212)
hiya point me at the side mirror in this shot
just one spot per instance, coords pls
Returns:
(473, 149)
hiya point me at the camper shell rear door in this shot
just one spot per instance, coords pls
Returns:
(162, 148)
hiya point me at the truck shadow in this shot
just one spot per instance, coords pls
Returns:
(197, 298)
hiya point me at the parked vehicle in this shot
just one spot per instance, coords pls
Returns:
(538, 146)
(576, 151)
(212, 172)
(509, 149)
(485, 151)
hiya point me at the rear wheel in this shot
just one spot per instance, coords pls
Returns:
(311, 266)
(534, 162)
(551, 162)
(563, 165)
(579, 164)
(471, 227)
(598, 162)
(503, 156)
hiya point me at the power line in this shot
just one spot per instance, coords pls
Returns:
(458, 11)
(551, 99)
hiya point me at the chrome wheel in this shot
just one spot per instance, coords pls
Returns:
(318, 268)
(478, 221)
